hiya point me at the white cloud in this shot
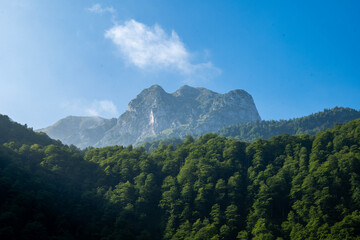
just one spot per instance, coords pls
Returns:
(149, 47)
(104, 108)
(98, 9)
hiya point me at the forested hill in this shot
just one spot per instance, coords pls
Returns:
(287, 187)
(305, 125)
(11, 131)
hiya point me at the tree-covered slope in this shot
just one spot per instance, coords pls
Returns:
(12, 131)
(45, 194)
(286, 187)
(305, 125)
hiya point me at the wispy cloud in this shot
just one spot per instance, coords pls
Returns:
(98, 9)
(150, 47)
(78, 107)
(102, 108)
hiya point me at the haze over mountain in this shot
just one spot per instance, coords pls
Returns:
(155, 112)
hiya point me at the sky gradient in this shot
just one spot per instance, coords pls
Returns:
(60, 58)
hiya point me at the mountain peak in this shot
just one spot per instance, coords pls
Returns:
(156, 88)
(185, 88)
(186, 91)
(238, 91)
(153, 90)
(148, 97)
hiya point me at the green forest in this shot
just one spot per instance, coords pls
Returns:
(311, 124)
(286, 187)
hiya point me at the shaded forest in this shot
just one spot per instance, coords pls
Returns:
(286, 187)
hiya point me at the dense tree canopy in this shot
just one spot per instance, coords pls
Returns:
(286, 187)
(19, 134)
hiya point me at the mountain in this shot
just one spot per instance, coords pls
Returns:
(311, 124)
(155, 113)
(80, 131)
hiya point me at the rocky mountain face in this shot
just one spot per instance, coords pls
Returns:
(155, 114)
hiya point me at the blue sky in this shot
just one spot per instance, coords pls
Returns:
(60, 58)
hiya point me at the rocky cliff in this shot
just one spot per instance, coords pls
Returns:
(155, 113)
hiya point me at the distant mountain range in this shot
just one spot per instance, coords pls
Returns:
(155, 113)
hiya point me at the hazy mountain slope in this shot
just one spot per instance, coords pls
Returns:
(80, 131)
(305, 125)
(156, 113)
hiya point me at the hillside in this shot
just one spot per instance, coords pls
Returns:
(286, 187)
(11, 131)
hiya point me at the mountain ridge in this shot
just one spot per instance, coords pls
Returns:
(186, 111)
